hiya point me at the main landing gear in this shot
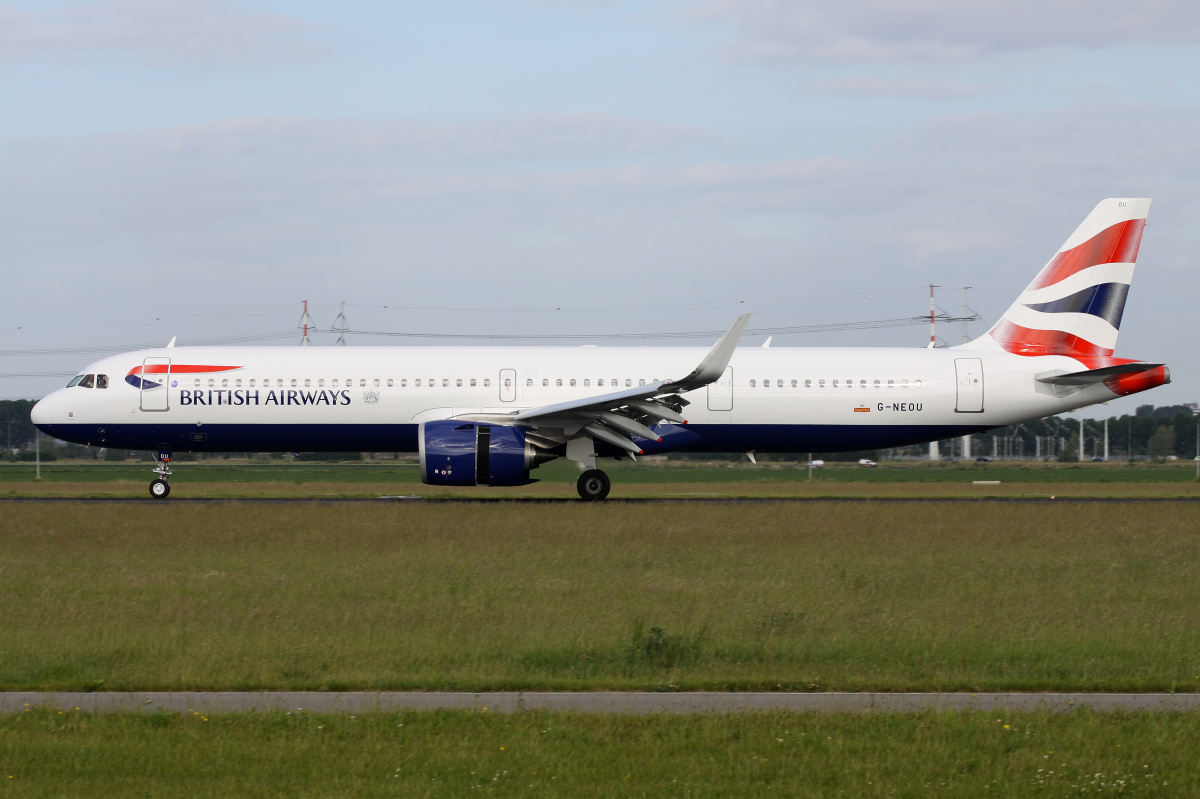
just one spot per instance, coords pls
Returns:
(159, 487)
(593, 485)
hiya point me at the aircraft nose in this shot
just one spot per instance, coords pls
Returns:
(43, 411)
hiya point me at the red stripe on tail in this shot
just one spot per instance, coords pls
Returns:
(1115, 245)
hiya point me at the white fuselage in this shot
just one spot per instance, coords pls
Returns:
(373, 398)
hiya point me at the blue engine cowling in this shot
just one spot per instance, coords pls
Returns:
(457, 453)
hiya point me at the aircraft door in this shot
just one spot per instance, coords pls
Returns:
(508, 385)
(720, 393)
(155, 384)
(969, 372)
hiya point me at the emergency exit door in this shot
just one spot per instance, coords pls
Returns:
(970, 385)
(508, 385)
(720, 393)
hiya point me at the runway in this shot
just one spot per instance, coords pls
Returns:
(147, 500)
(589, 702)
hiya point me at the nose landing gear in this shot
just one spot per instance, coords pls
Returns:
(159, 487)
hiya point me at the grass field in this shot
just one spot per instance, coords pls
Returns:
(459, 753)
(654, 479)
(818, 596)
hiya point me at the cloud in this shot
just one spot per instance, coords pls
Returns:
(210, 33)
(781, 31)
(889, 87)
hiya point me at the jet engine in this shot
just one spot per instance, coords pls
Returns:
(455, 453)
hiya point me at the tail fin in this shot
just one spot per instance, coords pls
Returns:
(1074, 306)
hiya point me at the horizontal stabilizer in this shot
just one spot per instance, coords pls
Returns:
(1090, 376)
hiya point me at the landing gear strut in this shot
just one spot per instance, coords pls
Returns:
(159, 487)
(593, 485)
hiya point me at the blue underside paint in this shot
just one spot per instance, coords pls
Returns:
(403, 437)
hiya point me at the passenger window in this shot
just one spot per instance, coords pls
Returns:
(225, 382)
(586, 382)
(767, 383)
(472, 382)
(417, 382)
(333, 382)
(362, 382)
(211, 382)
(628, 382)
(487, 381)
(404, 382)
(572, 382)
(278, 383)
(794, 384)
(641, 382)
(558, 383)
(293, 382)
(821, 383)
(891, 383)
(600, 382)
(917, 384)
(808, 383)
(545, 382)
(752, 383)
(391, 382)
(528, 382)
(876, 384)
(445, 383)
(835, 384)
(432, 382)
(238, 382)
(849, 384)
(903, 384)
(508, 382)
(101, 381)
(862, 383)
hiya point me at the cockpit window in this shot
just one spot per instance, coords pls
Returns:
(101, 381)
(88, 381)
(75, 381)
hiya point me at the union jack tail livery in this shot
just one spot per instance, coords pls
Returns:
(1074, 306)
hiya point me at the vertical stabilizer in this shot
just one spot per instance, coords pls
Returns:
(1074, 306)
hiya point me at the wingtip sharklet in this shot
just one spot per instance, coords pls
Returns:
(713, 366)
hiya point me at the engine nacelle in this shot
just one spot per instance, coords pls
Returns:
(457, 453)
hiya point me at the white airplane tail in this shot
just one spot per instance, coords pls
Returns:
(1074, 306)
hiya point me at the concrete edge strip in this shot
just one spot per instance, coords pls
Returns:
(587, 702)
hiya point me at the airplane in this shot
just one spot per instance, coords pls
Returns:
(491, 415)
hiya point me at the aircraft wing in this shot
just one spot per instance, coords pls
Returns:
(613, 418)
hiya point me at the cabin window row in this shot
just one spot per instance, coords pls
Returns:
(836, 383)
(416, 383)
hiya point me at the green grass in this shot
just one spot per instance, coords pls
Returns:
(814, 596)
(461, 753)
(679, 479)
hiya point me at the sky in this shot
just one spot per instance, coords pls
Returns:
(562, 171)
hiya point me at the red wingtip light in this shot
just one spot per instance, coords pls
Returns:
(685, 421)
(641, 452)
(660, 439)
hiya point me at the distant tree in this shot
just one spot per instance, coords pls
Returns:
(1071, 451)
(1162, 443)
(1145, 410)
